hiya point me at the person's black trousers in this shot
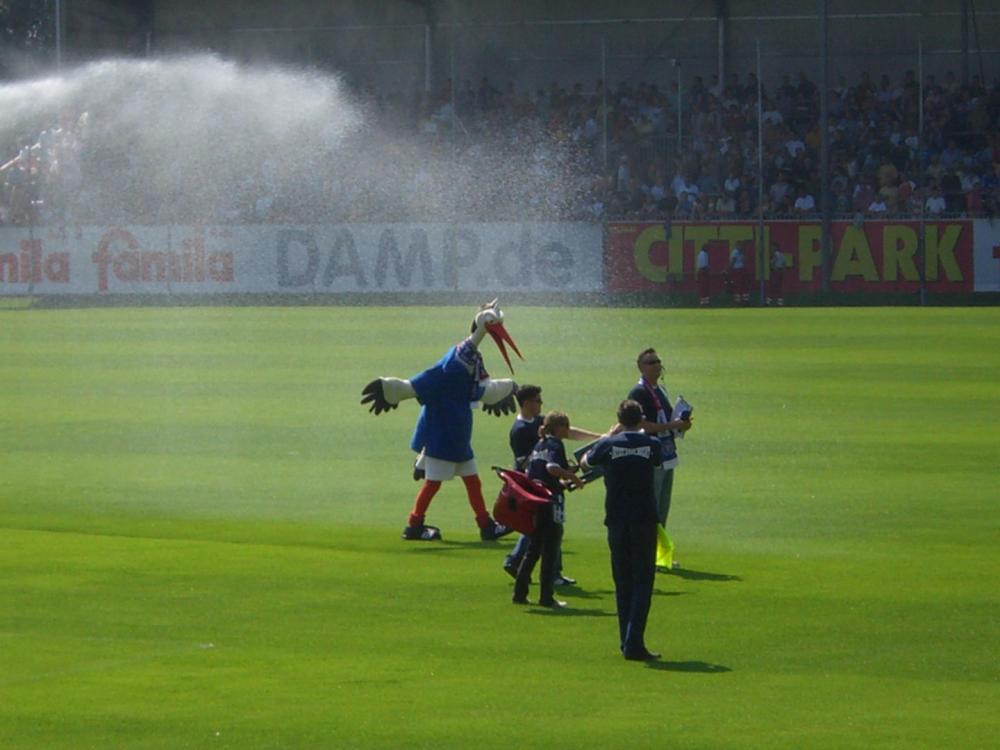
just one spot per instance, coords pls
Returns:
(543, 543)
(633, 567)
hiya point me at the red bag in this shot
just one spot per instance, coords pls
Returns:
(519, 500)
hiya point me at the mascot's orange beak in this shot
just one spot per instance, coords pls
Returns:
(499, 334)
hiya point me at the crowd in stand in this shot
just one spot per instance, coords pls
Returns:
(485, 152)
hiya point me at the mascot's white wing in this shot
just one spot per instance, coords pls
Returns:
(498, 399)
(497, 390)
(384, 394)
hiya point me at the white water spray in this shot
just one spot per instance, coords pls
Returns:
(198, 138)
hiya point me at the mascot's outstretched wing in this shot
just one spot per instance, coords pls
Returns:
(384, 394)
(506, 405)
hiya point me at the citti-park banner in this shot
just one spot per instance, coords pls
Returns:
(871, 256)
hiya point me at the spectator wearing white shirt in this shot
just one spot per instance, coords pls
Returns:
(704, 281)
(795, 146)
(779, 190)
(687, 195)
(771, 116)
(805, 203)
(935, 204)
(680, 185)
(623, 174)
(775, 293)
(877, 206)
(732, 183)
(970, 180)
(725, 205)
(737, 272)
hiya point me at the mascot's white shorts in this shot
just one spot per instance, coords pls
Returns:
(441, 471)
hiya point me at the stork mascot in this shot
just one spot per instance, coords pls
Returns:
(447, 393)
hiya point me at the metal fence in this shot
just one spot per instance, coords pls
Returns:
(642, 100)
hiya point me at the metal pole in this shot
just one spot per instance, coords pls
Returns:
(680, 109)
(59, 36)
(604, 101)
(721, 13)
(761, 251)
(428, 60)
(824, 147)
(454, 112)
(965, 42)
(979, 47)
(922, 232)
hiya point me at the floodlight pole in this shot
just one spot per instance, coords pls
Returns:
(429, 59)
(59, 36)
(761, 250)
(824, 147)
(604, 101)
(965, 42)
(454, 113)
(922, 232)
(680, 109)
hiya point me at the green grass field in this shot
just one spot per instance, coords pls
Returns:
(199, 536)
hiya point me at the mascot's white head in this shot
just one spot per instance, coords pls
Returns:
(489, 320)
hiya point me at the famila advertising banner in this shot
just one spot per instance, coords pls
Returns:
(314, 259)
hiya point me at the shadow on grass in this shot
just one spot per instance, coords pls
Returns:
(569, 611)
(444, 545)
(700, 667)
(577, 593)
(698, 575)
(611, 592)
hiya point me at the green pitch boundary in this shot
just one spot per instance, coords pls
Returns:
(434, 299)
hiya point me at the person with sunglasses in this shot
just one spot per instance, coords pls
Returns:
(652, 396)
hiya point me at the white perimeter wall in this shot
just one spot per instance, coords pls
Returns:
(357, 258)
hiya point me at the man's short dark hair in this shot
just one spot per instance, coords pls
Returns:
(526, 393)
(645, 353)
(629, 413)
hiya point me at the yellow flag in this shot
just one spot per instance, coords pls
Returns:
(664, 548)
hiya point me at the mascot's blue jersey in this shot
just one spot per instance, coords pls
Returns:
(445, 392)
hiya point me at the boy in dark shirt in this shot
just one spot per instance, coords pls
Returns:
(524, 431)
(524, 435)
(629, 459)
(548, 465)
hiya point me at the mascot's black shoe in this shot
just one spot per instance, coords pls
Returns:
(494, 530)
(421, 533)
